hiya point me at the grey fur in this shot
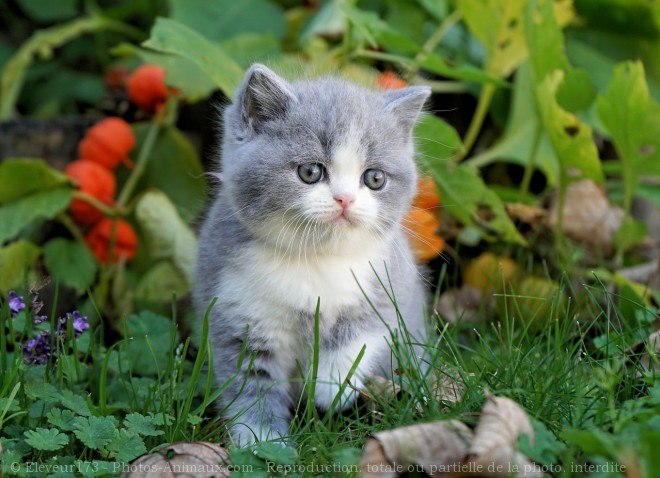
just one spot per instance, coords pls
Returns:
(273, 127)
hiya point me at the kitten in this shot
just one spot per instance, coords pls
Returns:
(317, 178)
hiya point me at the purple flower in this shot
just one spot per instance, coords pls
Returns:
(16, 303)
(78, 322)
(37, 351)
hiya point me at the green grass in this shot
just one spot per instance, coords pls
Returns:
(571, 369)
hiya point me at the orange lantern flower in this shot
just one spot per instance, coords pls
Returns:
(108, 143)
(146, 87)
(95, 180)
(422, 222)
(388, 80)
(119, 232)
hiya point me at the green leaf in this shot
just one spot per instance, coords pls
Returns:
(180, 72)
(176, 170)
(147, 358)
(545, 39)
(247, 48)
(126, 446)
(23, 177)
(571, 139)
(71, 263)
(46, 439)
(95, 432)
(446, 140)
(74, 402)
(169, 36)
(222, 19)
(168, 236)
(49, 11)
(463, 193)
(138, 423)
(633, 121)
(161, 282)
(576, 93)
(14, 217)
(498, 25)
(15, 259)
(438, 8)
(62, 419)
(276, 453)
(630, 234)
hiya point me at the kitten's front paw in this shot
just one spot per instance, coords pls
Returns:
(243, 435)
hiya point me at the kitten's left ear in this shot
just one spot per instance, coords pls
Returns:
(406, 104)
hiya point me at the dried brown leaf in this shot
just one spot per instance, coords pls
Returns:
(494, 448)
(589, 217)
(532, 215)
(434, 448)
(182, 459)
(467, 305)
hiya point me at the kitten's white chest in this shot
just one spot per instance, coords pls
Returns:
(275, 290)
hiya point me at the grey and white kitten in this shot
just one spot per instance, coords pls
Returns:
(317, 178)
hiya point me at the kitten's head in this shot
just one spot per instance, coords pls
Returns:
(321, 164)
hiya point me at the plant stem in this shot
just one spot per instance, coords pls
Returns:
(487, 91)
(108, 211)
(142, 160)
(71, 226)
(433, 41)
(529, 167)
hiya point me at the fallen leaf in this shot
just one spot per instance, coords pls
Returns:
(534, 216)
(467, 305)
(182, 459)
(588, 216)
(433, 448)
(494, 448)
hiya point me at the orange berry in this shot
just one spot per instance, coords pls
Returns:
(95, 180)
(427, 194)
(146, 87)
(109, 230)
(422, 227)
(388, 80)
(108, 143)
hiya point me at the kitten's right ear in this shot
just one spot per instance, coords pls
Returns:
(263, 96)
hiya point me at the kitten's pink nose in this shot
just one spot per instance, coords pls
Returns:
(344, 201)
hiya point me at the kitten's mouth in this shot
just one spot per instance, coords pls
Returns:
(342, 218)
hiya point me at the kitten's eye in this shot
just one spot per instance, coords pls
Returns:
(374, 178)
(311, 173)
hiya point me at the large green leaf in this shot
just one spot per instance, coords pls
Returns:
(147, 343)
(21, 177)
(545, 39)
(464, 194)
(446, 140)
(71, 263)
(222, 19)
(15, 259)
(46, 439)
(571, 139)
(633, 121)
(169, 36)
(180, 72)
(168, 236)
(17, 215)
(175, 169)
(498, 24)
(161, 283)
